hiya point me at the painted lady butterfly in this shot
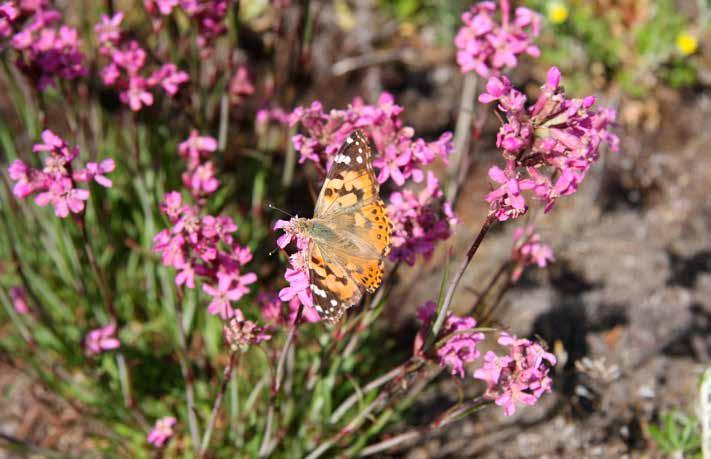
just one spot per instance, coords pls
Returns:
(349, 235)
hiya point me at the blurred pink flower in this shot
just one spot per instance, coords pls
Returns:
(556, 138)
(96, 171)
(196, 148)
(222, 296)
(520, 377)
(208, 14)
(19, 300)
(101, 339)
(45, 50)
(127, 69)
(161, 431)
(528, 250)
(486, 45)
(240, 86)
(64, 197)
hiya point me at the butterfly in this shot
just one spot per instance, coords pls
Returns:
(349, 234)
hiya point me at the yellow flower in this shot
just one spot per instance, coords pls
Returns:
(686, 43)
(557, 12)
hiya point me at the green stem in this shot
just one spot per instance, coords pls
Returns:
(216, 406)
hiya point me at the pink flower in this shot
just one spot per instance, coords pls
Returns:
(96, 171)
(299, 286)
(101, 339)
(507, 201)
(240, 86)
(109, 29)
(137, 96)
(161, 431)
(520, 377)
(44, 51)
(528, 250)
(197, 147)
(64, 197)
(486, 46)
(459, 335)
(201, 181)
(170, 78)
(19, 300)
(419, 221)
(222, 296)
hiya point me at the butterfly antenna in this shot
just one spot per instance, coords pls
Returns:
(279, 209)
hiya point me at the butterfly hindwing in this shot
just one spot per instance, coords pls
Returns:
(333, 289)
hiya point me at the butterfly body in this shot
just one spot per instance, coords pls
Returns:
(349, 235)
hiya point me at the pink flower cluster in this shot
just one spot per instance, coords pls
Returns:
(460, 346)
(554, 142)
(401, 156)
(486, 46)
(241, 333)
(56, 183)
(204, 246)
(46, 50)
(200, 177)
(419, 221)
(529, 250)
(519, 377)
(161, 431)
(101, 339)
(126, 70)
(209, 15)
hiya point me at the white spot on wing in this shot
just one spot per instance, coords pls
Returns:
(334, 303)
(349, 140)
(360, 160)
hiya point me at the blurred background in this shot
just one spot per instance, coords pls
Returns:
(626, 307)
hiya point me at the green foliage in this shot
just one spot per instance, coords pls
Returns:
(633, 44)
(677, 434)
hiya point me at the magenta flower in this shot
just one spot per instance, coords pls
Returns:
(96, 171)
(201, 181)
(240, 86)
(554, 141)
(64, 197)
(196, 148)
(19, 300)
(459, 335)
(161, 431)
(101, 339)
(520, 377)
(209, 15)
(44, 50)
(486, 46)
(128, 69)
(222, 296)
(54, 184)
(528, 250)
(419, 221)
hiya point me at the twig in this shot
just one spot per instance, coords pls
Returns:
(462, 133)
(455, 282)
(216, 406)
(351, 427)
(371, 386)
(454, 413)
(378, 57)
